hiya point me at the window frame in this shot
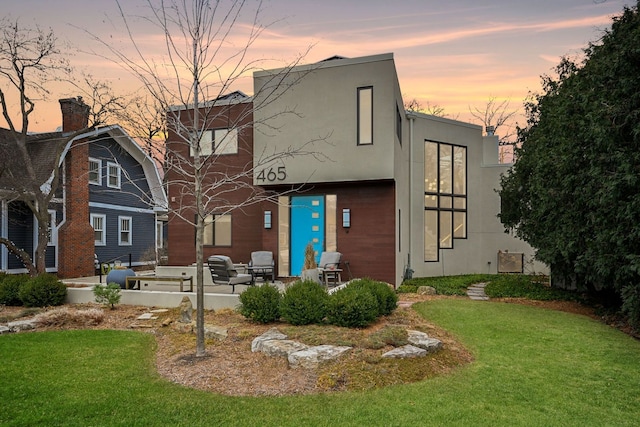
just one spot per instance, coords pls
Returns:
(118, 175)
(98, 171)
(212, 234)
(448, 204)
(360, 115)
(129, 221)
(103, 230)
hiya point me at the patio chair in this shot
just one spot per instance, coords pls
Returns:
(224, 272)
(329, 268)
(262, 265)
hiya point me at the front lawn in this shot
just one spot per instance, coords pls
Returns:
(533, 367)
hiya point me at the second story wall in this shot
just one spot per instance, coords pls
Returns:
(341, 114)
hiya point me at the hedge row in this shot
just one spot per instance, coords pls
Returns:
(305, 302)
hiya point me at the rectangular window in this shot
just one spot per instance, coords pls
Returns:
(99, 222)
(365, 115)
(225, 141)
(52, 230)
(95, 172)
(206, 144)
(445, 199)
(159, 234)
(124, 230)
(217, 230)
(113, 175)
(399, 124)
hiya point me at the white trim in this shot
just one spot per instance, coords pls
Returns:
(120, 208)
(102, 242)
(118, 169)
(130, 231)
(99, 162)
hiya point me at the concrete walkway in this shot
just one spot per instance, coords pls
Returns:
(476, 292)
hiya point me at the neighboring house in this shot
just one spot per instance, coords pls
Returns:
(107, 205)
(393, 191)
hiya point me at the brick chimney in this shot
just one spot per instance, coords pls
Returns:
(76, 245)
(75, 114)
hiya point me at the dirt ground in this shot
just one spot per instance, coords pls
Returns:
(229, 367)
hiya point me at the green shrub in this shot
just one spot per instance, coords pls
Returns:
(107, 295)
(261, 303)
(10, 285)
(407, 288)
(353, 307)
(386, 297)
(43, 291)
(304, 303)
(525, 286)
(450, 285)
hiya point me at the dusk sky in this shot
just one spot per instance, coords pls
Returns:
(455, 54)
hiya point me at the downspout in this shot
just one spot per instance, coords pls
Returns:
(408, 272)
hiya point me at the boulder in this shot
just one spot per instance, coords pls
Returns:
(215, 332)
(406, 351)
(271, 334)
(422, 340)
(186, 310)
(426, 290)
(311, 357)
(21, 325)
(278, 348)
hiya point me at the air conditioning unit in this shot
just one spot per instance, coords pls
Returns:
(510, 262)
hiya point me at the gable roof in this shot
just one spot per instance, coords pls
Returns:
(42, 145)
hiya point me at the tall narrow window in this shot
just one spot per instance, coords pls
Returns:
(398, 124)
(52, 230)
(445, 200)
(217, 230)
(113, 175)
(98, 222)
(95, 174)
(365, 115)
(124, 230)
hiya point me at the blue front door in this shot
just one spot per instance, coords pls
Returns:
(307, 225)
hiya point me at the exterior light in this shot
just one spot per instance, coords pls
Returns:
(346, 218)
(267, 219)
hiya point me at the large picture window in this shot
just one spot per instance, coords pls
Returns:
(217, 230)
(218, 141)
(365, 115)
(445, 197)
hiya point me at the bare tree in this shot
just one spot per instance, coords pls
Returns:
(498, 115)
(202, 62)
(432, 109)
(29, 60)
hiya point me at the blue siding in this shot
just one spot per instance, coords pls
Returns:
(143, 235)
(20, 231)
(134, 190)
(131, 200)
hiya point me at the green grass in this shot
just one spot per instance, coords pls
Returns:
(446, 285)
(533, 367)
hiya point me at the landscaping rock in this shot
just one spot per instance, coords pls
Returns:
(405, 351)
(4, 330)
(422, 340)
(426, 290)
(184, 328)
(21, 325)
(271, 334)
(313, 356)
(215, 332)
(281, 348)
(186, 310)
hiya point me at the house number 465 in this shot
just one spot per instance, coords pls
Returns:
(273, 174)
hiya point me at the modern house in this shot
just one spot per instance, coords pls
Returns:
(107, 205)
(395, 192)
